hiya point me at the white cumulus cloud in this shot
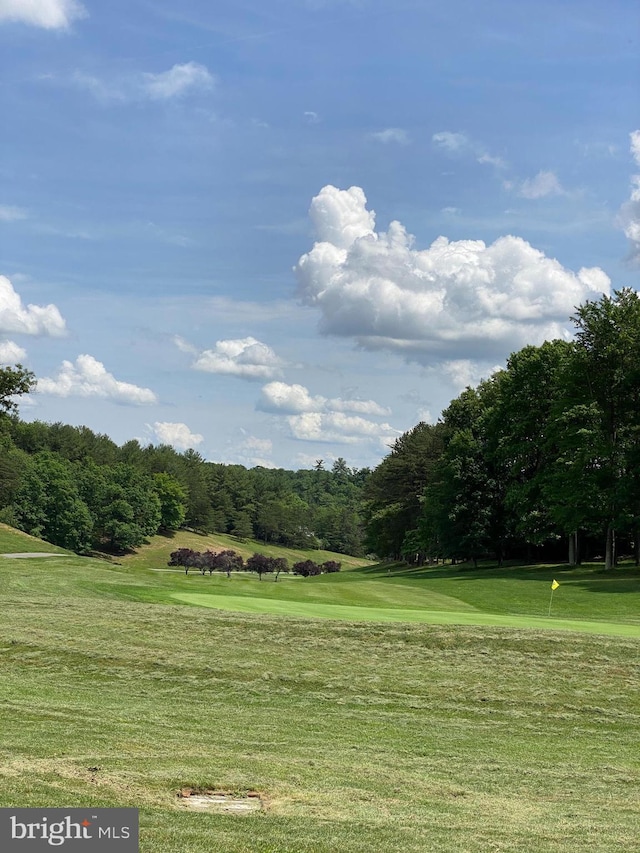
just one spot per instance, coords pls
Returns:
(463, 373)
(89, 378)
(278, 397)
(292, 399)
(454, 300)
(11, 353)
(630, 212)
(178, 435)
(49, 14)
(338, 427)
(29, 320)
(246, 358)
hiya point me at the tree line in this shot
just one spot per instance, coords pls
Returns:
(540, 461)
(229, 561)
(80, 490)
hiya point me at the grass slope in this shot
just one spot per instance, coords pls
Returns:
(14, 541)
(157, 551)
(363, 736)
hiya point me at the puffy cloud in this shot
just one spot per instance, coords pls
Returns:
(32, 320)
(178, 435)
(281, 398)
(89, 378)
(323, 419)
(246, 358)
(178, 80)
(391, 134)
(425, 416)
(294, 399)
(461, 299)
(338, 427)
(340, 217)
(544, 184)
(9, 213)
(630, 212)
(362, 407)
(11, 353)
(635, 145)
(463, 373)
(49, 14)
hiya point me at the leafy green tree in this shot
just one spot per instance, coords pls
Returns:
(47, 504)
(14, 382)
(598, 416)
(123, 503)
(173, 501)
(520, 441)
(395, 488)
(12, 465)
(194, 477)
(459, 505)
(241, 526)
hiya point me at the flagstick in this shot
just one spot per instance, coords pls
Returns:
(550, 600)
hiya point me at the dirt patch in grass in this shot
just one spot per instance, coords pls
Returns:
(231, 802)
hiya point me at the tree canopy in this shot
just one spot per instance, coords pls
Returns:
(542, 456)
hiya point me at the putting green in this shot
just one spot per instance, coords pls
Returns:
(313, 610)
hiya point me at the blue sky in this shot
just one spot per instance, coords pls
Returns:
(188, 246)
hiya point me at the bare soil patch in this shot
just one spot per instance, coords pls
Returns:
(221, 801)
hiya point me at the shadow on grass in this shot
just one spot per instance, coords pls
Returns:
(591, 576)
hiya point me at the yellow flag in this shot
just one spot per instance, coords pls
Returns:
(555, 584)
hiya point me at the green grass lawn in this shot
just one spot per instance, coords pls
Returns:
(376, 736)
(14, 541)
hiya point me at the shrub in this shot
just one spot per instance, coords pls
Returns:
(306, 568)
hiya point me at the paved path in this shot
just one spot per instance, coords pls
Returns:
(33, 554)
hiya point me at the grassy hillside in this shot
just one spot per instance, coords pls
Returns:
(156, 553)
(14, 541)
(361, 736)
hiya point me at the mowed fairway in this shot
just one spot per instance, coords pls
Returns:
(360, 735)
